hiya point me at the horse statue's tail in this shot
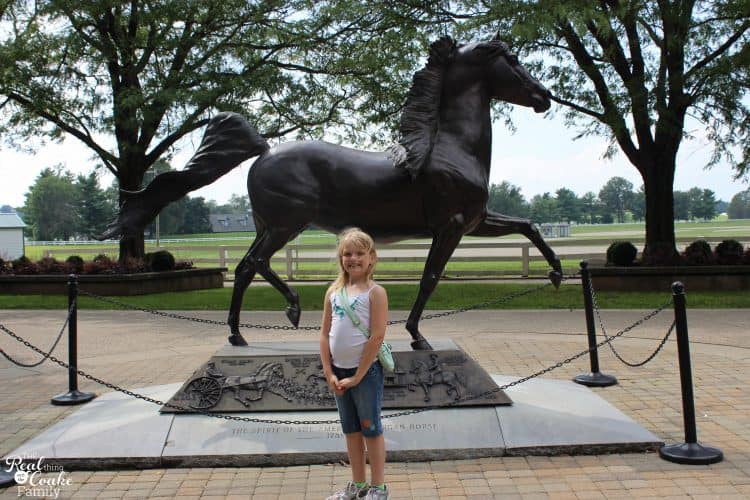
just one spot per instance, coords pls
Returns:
(229, 140)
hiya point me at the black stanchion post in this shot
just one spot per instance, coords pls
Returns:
(595, 378)
(691, 451)
(73, 396)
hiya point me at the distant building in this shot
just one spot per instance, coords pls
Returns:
(11, 236)
(559, 230)
(227, 223)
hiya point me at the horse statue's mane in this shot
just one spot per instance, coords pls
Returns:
(419, 119)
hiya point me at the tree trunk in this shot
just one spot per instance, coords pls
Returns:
(130, 179)
(658, 182)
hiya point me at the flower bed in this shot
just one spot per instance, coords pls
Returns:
(116, 284)
(660, 278)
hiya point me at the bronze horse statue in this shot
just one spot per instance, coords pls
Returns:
(433, 183)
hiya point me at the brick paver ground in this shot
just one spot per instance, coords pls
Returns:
(136, 350)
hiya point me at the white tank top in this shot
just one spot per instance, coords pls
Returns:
(345, 340)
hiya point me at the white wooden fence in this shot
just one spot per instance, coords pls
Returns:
(473, 258)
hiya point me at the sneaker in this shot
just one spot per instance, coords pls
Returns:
(377, 494)
(351, 492)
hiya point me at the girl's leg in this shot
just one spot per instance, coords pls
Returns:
(376, 454)
(355, 448)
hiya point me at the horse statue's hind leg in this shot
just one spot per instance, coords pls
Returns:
(443, 245)
(258, 257)
(495, 224)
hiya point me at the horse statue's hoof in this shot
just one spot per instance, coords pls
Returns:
(421, 345)
(236, 339)
(293, 313)
(556, 278)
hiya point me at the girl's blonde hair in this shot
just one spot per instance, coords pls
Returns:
(359, 239)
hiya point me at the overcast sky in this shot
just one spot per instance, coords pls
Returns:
(540, 157)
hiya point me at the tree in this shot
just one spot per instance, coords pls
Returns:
(147, 73)
(616, 197)
(543, 208)
(632, 72)
(240, 204)
(681, 205)
(590, 207)
(739, 206)
(507, 199)
(196, 218)
(568, 207)
(50, 205)
(638, 204)
(94, 209)
(702, 203)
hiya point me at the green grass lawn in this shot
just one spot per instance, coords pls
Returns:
(448, 295)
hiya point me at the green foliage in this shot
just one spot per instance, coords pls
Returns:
(698, 253)
(543, 208)
(617, 197)
(621, 253)
(729, 252)
(23, 265)
(632, 72)
(75, 262)
(161, 260)
(50, 206)
(94, 208)
(739, 207)
(507, 199)
(400, 298)
(568, 206)
(148, 73)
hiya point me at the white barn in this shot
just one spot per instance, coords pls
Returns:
(11, 236)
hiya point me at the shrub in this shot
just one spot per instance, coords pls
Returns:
(135, 265)
(75, 263)
(23, 265)
(101, 265)
(161, 260)
(3, 266)
(729, 252)
(698, 253)
(49, 265)
(621, 253)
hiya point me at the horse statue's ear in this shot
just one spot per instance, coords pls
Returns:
(497, 36)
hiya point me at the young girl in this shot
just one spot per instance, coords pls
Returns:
(350, 362)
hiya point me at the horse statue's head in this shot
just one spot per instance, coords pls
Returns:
(461, 73)
(495, 66)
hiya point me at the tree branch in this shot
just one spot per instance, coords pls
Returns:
(110, 161)
(721, 49)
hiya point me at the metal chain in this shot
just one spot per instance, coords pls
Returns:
(333, 421)
(156, 312)
(189, 318)
(51, 349)
(643, 320)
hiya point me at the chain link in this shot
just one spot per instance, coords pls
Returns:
(638, 323)
(236, 418)
(46, 355)
(501, 300)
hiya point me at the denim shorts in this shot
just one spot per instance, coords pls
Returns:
(359, 407)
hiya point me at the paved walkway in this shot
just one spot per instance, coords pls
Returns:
(136, 350)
